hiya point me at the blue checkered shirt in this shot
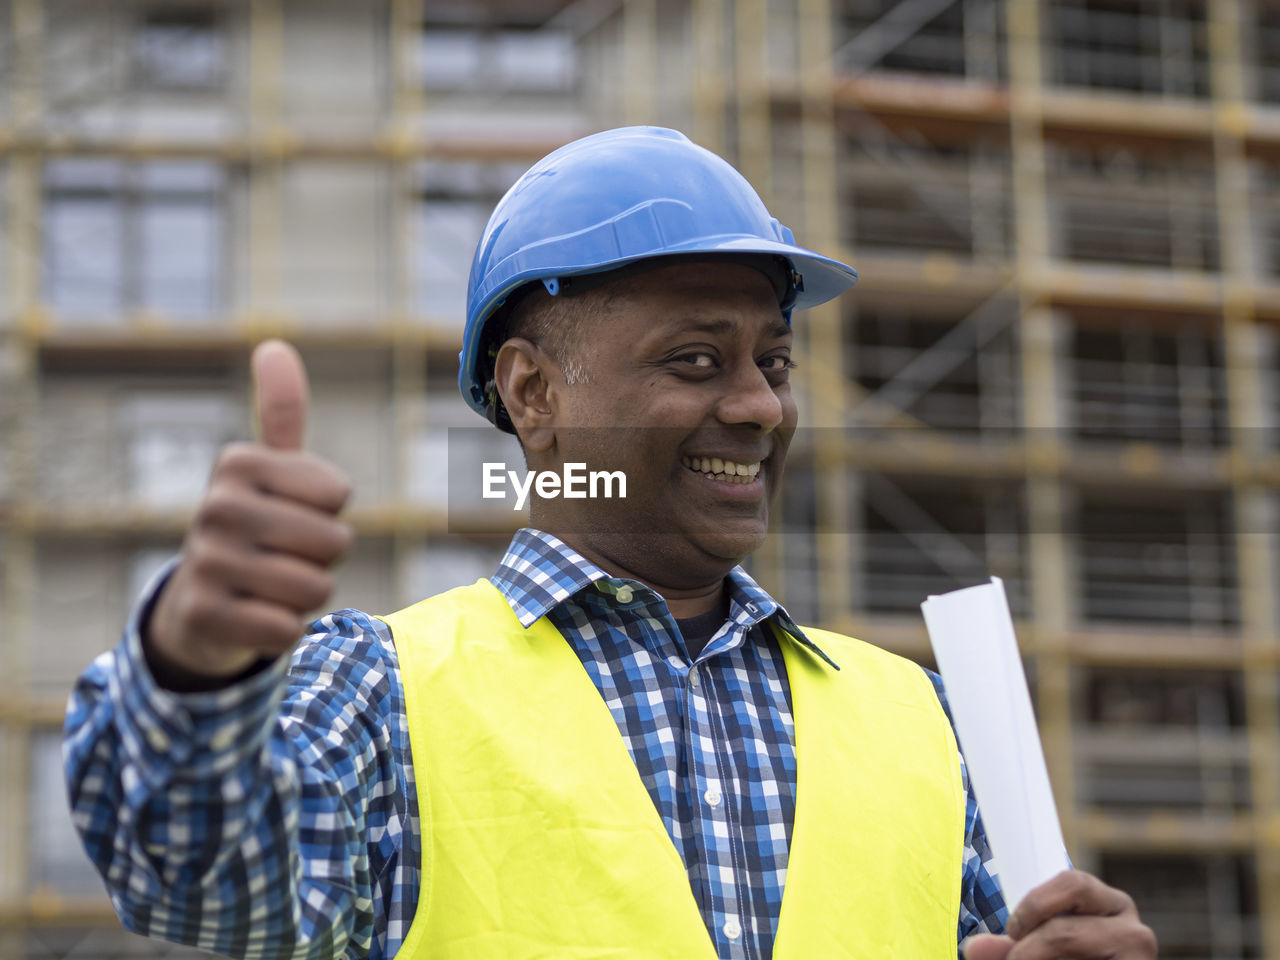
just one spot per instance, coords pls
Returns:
(278, 818)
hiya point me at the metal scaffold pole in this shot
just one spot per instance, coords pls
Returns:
(408, 360)
(752, 88)
(17, 356)
(266, 170)
(709, 95)
(1042, 416)
(640, 54)
(405, 135)
(1253, 505)
(824, 340)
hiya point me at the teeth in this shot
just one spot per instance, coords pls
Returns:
(723, 469)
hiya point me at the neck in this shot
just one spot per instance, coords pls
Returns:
(684, 601)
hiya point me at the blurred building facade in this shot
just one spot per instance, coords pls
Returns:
(1058, 366)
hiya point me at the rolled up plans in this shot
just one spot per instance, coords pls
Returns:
(977, 653)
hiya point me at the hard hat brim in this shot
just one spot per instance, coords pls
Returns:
(824, 278)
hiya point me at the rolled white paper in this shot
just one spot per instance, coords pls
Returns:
(977, 653)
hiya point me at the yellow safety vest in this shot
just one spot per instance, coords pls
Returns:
(540, 840)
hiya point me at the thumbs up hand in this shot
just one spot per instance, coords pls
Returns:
(257, 555)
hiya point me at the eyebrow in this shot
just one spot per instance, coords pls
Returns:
(722, 326)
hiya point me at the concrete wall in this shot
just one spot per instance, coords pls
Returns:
(7, 301)
(92, 83)
(366, 578)
(77, 461)
(78, 609)
(336, 67)
(352, 421)
(101, 440)
(335, 256)
(446, 565)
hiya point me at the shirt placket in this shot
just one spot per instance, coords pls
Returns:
(717, 824)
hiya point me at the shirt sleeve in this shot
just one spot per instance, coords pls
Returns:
(262, 820)
(982, 908)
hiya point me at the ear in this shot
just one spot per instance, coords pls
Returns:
(524, 374)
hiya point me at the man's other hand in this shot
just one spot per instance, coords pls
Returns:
(257, 555)
(1074, 916)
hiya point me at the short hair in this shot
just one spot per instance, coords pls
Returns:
(557, 324)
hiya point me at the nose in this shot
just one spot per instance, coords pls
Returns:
(751, 400)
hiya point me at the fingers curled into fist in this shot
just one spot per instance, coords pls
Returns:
(1074, 916)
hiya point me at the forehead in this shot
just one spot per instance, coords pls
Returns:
(686, 291)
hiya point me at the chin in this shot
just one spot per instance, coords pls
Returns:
(730, 545)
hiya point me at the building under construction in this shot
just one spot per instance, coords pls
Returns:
(1057, 368)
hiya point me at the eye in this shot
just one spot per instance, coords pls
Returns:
(777, 363)
(703, 361)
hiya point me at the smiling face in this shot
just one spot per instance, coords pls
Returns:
(687, 392)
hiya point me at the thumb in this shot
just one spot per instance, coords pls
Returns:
(986, 946)
(280, 393)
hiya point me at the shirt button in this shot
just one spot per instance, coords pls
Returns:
(693, 677)
(159, 740)
(712, 797)
(223, 739)
(625, 594)
(732, 929)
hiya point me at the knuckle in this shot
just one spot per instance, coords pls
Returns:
(1144, 938)
(1058, 934)
(238, 458)
(198, 610)
(267, 633)
(284, 633)
(1128, 904)
(201, 558)
(276, 640)
(221, 507)
(344, 536)
(328, 483)
(342, 488)
(1028, 910)
(318, 589)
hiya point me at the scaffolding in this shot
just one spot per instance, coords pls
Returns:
(1056, 368)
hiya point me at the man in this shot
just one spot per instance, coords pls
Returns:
(617, 745)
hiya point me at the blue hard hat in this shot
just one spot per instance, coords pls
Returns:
(612, 199)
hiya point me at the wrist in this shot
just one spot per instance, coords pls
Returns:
(177, 678)
(180, 668)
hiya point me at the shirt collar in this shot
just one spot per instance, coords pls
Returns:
(752, 600)
(540, 571)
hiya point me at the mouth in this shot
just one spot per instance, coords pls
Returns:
(726, 471)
